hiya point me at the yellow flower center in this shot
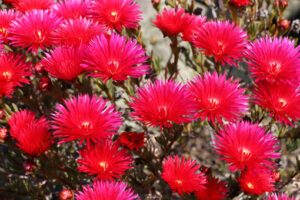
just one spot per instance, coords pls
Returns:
(179, 182)
(245, 153)
(103, 165)
(7, 75)
(250, 185)
(282, 102)
(275, 67)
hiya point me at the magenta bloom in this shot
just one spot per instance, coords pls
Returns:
(85, 118)
(105, 159)
(115, 58)
(274, 60)
(280, 196)
(64, 62)
(72, 9)
(13, 71)
(218, 98)
(163, 103)
(282, 100)
(172, 22)
(32, 134)
(6, 18)
(225, 41)
(76, 32)
(189, 32)
(34, 30)
(116, 14)
(246, 145)
(104, 190)
(182, 176)
(29, 5)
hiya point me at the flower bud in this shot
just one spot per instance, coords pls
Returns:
(3, 134)
(65, 194)
(39, 68)
(284, 24)
(155, 2)
(44, 83)
(2, 114)
(276, 176)
(28, 165)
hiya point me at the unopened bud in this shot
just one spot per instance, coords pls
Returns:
(284, 24)
(2, 114)
(276, 176)
(39, 68)
(28, 165)
(3, 134)
(65, 194)
(155, 2)
(44, 83)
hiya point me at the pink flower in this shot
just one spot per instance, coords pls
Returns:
(195, 26)
(85, 118)
(279, 196)
(274, 60)
(182, 176)
(214, 190)
(115, 58)
(240, 3)
(246, 145)
(13, 71)
(225, 41)
(6, 18)
(32, 134)
(29, 5)
(218, 98)
(172, 22)
(163, 103)
(282, 100)
(105, 160)
(34, 30)
(72, 9)
(64, 62)
(77, 32)
(104, 190)
(116, 14)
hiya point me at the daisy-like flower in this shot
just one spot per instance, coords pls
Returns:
(163, 103)
(85, 118)
(105, 159)
(13, 71)
(214, 190)
(72, 9)
(76, 32)
(189, 32)
(274, 60)
(104, 190)
(282, 100)
(32, 134)
(116, 14)
(223, 40)
(218, 98)
(256, 181)
(182, 176)
(6, 18)
(172, 22)
(240, 3)
(246, 145)
(115, 58)
(132, 140)
(64, 62)
(29, 5)
(34, 30)
(280, 196)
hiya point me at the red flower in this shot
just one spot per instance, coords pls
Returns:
(279, 196)
(29, 5)
(214, 190)
(115, 58)
(85, 118)
(274, 60)
(240, 3)
(105, 160)
(32, 134)
(181, 175)
(76, 32)
(104, 190)
(246, 145)
(218, 98)
(6, 18)
(34, 30)
(64, 62)
(161, 103)
(282, 100)
(13, 70)
(116, 14)
(72, 9)
(172, 22)
(257, 181)
(225, 41)
(132, 140)
(189, 31)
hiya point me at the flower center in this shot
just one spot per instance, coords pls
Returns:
(113, 66)
(275, 68)
(250, 185)
(3, 31)
(86, 125)
(219, 49)
(213, 103)
(282, 102)
(7, 75)
(163, 111)
(245, 153)
(114, 16)
(103, 165)
(179, 182)
(40, 38)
